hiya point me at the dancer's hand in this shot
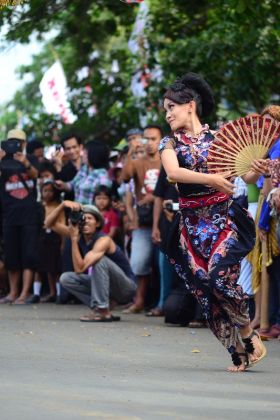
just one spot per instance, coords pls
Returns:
(220, 183)
(260, 166)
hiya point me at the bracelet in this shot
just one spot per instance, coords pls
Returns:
(267, 176)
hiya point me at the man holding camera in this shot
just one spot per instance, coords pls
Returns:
(71, 150)
(20, 214)
(101, 272)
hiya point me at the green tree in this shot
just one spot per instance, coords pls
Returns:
(233, 43)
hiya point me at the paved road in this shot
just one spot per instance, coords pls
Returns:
(55, 367)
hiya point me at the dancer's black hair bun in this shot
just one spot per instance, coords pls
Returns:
(198, 84)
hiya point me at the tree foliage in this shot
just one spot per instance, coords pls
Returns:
(233, 43)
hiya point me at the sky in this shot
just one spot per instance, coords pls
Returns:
(10, 58)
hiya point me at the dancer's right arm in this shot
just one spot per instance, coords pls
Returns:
(182, 175)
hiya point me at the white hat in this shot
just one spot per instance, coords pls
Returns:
(113, 154)
(16, 134)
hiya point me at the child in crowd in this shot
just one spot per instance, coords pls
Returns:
(103, 201)
(49, 248)
(46, 172)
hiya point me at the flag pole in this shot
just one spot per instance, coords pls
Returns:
(53, 52)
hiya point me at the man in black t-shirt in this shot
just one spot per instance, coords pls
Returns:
(177, 304)
(72, 150)
(20, 214)
(164, 192)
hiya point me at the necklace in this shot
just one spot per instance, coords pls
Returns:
(194, 134)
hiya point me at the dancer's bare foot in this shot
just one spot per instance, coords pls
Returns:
(240, 360)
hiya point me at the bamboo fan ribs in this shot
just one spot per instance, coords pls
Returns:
(241, 141)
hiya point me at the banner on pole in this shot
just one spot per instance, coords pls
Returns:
(53, 88)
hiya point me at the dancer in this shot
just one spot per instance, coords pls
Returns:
(212, 232)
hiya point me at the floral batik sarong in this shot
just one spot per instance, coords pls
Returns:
(210, 236)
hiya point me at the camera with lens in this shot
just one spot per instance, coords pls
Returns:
(11, 146)
(77, 217)
(171, 206)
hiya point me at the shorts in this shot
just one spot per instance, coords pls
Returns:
(21, 247)
(141, 251)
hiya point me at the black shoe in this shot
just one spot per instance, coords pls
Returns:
(32, 299)
(58, 301)
(49, 299)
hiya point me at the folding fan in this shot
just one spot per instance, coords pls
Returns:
(241, 141)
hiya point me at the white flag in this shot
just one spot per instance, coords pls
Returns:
(137, 35)
(53, 87)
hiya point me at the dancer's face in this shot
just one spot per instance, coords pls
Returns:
(178, 115)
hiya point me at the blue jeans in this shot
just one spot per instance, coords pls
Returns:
(141, 251)
(166, 278)
(274, 291)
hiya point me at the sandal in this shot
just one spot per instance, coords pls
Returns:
(19, 302)
(155, 312)
(94, 317)
(132, 310)
(197, 324)
(6, 300)
(237, 361)
(249, 347)
(48, 299)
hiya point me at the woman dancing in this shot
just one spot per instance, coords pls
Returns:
(212, 233)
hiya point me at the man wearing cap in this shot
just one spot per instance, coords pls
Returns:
(101, 272)
(20, 214)
(134, 138)
(144, 172)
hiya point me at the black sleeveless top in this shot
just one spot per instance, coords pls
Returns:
(117, 257)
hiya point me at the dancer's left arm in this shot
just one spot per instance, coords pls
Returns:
(258, 167)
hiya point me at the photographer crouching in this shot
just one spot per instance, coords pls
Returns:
(21, 224)
(101, 272)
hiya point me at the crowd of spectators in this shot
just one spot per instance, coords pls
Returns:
(90, 224)
(81, 226)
